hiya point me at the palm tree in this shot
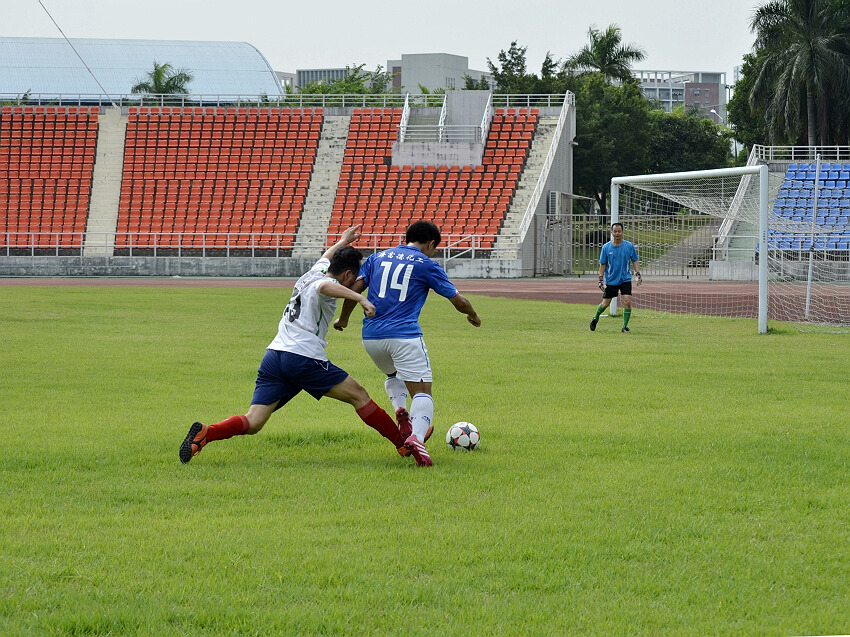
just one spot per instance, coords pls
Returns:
(607, 55)
(804, 47)
(164, 80)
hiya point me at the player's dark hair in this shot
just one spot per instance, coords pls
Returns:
(422, 232)
(346, 258)
(616, 223)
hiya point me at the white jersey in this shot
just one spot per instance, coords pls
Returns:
(304, 326)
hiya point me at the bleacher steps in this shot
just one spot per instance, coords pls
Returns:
(316, 216)
(506, 243)
(106, 184)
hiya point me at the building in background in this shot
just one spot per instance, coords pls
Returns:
(433, 71)
(45, 67)
(699, 89)
(303, 77)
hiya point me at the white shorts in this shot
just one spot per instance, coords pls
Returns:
(405, 357)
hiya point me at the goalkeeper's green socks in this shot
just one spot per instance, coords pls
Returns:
(627, 314)
(599, 311)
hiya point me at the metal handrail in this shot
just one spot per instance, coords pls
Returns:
(528, 217)
(487, 118)
(451, 133)
(259, 245)
(800, 153)
(395, 100)
(405, 116)
(442, 122)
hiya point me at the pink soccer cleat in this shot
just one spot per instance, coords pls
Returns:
(418, 450)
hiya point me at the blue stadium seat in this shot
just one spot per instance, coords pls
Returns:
(841, 183)
(793, 166)
(829, 183)
(843, 244)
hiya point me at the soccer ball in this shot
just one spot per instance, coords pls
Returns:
(463, 435)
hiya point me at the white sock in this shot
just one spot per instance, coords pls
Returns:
(421, 414)
(397, 391)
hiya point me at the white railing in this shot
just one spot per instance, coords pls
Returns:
(405, 116)
(442, 122)
(384, 100)
(212, 244)
(800, 153)
(487, 119)
(454, 133)
(528, 217)
(502, 100)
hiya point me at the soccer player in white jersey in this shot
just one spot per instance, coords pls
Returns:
(399, 280)
(296, 358)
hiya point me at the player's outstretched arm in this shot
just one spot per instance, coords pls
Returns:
(463, 306)
(349, 235)
(337, 290)
(348, 307)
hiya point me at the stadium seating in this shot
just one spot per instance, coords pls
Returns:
(795, 203)
(462, 200)
(218, 178)
(46, 160)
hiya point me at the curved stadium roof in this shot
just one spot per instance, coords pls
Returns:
(49, 66)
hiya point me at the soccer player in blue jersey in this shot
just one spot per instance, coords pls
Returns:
(295, 360)
(399, 280)
(615, 274)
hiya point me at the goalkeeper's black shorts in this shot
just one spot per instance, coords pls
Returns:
(611, 291)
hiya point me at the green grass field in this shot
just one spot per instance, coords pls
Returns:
(688, 479)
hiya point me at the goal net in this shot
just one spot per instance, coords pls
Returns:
(731, 242)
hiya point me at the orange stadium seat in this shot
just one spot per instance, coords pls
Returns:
(46, 163)
(230, 163)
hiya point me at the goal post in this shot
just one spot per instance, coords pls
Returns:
(716, 200)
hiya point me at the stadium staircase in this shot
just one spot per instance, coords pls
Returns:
(506, 244)
(106, 185)
(318, 206)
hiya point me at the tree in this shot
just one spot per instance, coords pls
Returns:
(511, 76)
(613, 135)
(804, 69)
(681, 141)
(469, 84)
(606, 54)
(164, 80)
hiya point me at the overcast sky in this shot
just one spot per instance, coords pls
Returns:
(682, 36)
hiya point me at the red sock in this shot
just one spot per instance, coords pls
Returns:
(380, 420)
(233, 426)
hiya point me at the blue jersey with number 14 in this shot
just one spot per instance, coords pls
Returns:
(399, 280)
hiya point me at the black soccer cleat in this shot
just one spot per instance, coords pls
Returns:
(194, 442)
(593, 323)
(625, 330)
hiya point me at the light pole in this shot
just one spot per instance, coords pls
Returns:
(734, 141)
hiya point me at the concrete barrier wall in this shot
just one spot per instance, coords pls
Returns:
(216, 266)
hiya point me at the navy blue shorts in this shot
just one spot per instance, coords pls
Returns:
(612, 290)
(283, 374)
